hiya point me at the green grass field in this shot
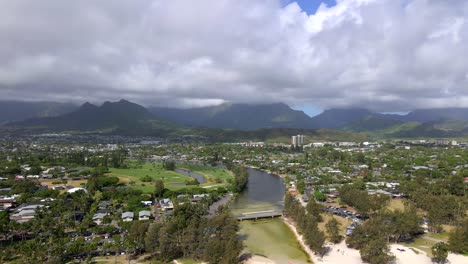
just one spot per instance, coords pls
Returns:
(210, 173)
(136, 171)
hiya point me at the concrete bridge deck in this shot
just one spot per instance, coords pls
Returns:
(259, 215)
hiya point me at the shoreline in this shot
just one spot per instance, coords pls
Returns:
(312, 257)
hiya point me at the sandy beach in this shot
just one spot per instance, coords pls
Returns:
(340, 253)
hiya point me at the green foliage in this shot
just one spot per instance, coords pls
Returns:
(192, 181)
(307, 223)
(376, 251)
(241, 178)
(333, 230)
(169, 165)
(188, 234)
(25, 186)
(4, 222)
(146, 178)
(458, 238)
(319, 196)
(440, 252)
(314, 209)
(403, 224)
(158, 188)
(301, 186)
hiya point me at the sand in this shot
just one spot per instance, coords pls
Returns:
(340, 253)
(409, 256)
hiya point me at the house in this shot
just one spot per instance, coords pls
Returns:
(147, 203)
(127, 216)
(98, 218)
(104, 204)
(144, 215)
(372, 192)
(19, 178)
(47, 176)
(166, 204)
(25, 213)
(76, 189)
(7, 202)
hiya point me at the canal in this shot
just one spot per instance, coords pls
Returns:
(270, 238)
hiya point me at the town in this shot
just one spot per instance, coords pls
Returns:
(105, 200)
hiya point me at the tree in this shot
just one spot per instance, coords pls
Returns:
(169, 165)
(136, 236)
(158, 188)
(458, 238)
(403, 224)
(4, 222)
(152, 238)
(301, 186)
(315, 238)
(314, 209)
(333, 230)
(241, 178)
(456, 185)
(440, 252)
(376, 251)
(319, 196)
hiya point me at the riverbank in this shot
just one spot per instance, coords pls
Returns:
(273, 241)
(300, 239)
(224, 201)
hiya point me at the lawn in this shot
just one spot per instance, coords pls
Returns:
(396, 204)
(172, 180)
(210, 174)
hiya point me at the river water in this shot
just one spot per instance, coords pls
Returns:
(268, 237)
(192, 174)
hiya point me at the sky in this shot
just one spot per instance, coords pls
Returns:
(384, 55)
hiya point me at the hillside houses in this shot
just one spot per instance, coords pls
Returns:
(25, 213)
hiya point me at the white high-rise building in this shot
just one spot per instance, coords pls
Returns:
(300, 140)
(294, 140)
(297, 140)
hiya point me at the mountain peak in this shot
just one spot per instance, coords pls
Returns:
(87, 106)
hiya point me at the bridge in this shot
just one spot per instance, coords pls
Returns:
(259, 215)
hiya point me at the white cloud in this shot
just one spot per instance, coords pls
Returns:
(386, 55)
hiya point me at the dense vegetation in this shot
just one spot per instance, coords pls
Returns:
(189, 234)
(306, 221)
(241, 178)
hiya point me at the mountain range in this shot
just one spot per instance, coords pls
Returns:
(237, 116)
(18, 110)
(230, 120)
(117, 117)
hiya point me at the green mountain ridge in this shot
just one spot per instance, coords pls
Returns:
(228, 122)
(122, 116)
(237, 116)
